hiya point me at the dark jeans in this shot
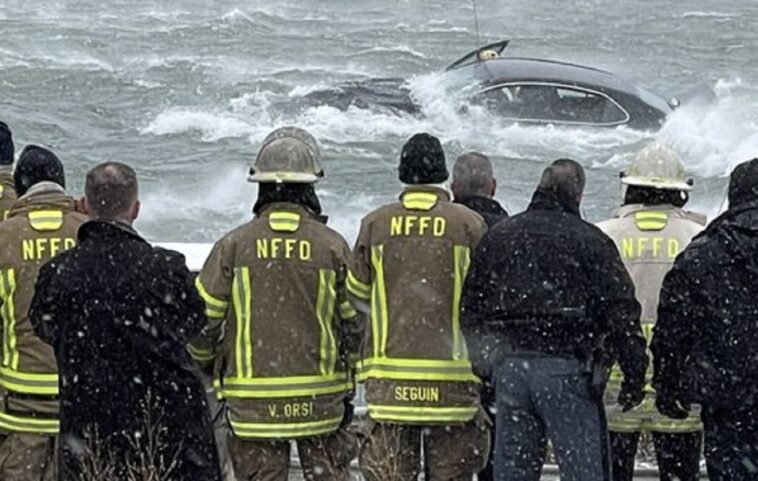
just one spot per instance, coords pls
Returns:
(678, 455)
(731, 445)
(540, 398)
(488, 403)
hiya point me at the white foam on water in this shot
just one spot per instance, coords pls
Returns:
(357, 125)
(147, 84)
(211, 126)
(223, 191)
(237, 15)
(712, 139)
(712, 14)
(303, 90)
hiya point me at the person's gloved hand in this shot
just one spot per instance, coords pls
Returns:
(670, 406)
(631, 396)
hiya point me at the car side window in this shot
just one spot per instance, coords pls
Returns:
(551, 103)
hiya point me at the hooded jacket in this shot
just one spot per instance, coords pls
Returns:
(705, 343)
(119, 314)
(42, 224)
(7, 193)
(547, 281)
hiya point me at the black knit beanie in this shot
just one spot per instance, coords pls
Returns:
(423, 161)
(743, 183)
(6, 145)
(37, 164)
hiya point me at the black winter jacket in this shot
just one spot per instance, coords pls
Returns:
(490, 209)
(705, 343)
(547, 281)
(119, 313)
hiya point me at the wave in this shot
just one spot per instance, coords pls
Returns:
(701, 14)
(713, 138)
(237, 15)
(65, 60)
(211, 126)
(401, 49)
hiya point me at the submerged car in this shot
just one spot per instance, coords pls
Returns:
(524, 90)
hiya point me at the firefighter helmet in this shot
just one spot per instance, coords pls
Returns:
(287, 155)
(658, 167)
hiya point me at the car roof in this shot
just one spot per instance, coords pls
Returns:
(506, 69)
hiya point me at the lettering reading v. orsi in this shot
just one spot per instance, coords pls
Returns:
(45, 248)
(291, 410)
(417, 225)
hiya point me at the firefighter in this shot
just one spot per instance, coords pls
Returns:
(705, 341)
(41, 224)
(7, 189)
(650, 230)
(409, 264)
(278, 310)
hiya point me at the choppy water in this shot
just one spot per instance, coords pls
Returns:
(185, 90)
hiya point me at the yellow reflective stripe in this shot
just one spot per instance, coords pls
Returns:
(347, 311)
(45, 220)
(462, 260)
(416, 370)
(200, 354)
(419, 200)
(284, 387)
(285, 430)
(8, 311)
(282, 380)
(379, 317)
(31, 425)
(422, 413)
(209, 299)
(327, 298)
(242, 297)
(651, 220)
(2, 191)
(29, 383)
(358, 288)
(284, 221)
(6, 319)
(214, 307)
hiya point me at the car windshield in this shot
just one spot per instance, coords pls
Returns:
(653, 100)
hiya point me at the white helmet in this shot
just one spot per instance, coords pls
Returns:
(657, 167)
(287, 155)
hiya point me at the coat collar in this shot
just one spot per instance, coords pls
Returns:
(106, 228)
(44, 195)
(631, 209)
(6, 178)
(546, 200)
(480, 203)
(290, 207)
(441, 193)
